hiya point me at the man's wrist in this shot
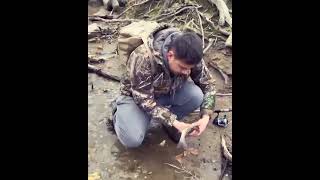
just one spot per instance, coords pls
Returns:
(206, 117)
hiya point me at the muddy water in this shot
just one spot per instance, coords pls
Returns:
(110, 160)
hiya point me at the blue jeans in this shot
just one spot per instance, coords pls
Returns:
(131, 122)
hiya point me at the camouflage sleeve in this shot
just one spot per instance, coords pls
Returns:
(202, 77)
(139, 67)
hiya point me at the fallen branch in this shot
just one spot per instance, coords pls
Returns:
(111, 20)
(103, 74)
(131, 7)
(225, 150)
(225, 77)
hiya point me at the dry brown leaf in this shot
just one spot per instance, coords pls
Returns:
(193, 151)
(179, 158)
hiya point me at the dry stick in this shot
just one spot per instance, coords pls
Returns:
(181, 169)
(150, 6)
(111, 20)
(200, 21)
(215, 41)
(209, 45)
(131, 7)
(225, 77)
(103, 74)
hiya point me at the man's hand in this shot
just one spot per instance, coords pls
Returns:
(201, 124)
(180, 125)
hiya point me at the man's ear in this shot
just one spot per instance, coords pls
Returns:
(170, 54)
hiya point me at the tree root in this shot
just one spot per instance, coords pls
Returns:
(224, 15)
(131, 7)
(224, 76)
(229, 41)
(200, 22)
(111, 20)
(225, 150)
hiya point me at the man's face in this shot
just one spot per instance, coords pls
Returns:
(177, 66)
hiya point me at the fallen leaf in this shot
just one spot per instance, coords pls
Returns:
(179, 158)
(193, 151)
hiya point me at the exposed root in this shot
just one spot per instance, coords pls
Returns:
(131, 7)
(225, 150)
(229, 41)
(200, 22)
(111, 20)
(224, 76)
(224, 15)
(209, 45)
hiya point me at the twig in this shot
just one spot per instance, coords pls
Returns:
(181, 169)
(111, 20)
(209, 45)
(150, 6)
(153, 8)
(200, 21)
(225, 77)
(131, 7)
(215, 41)
(103, 74)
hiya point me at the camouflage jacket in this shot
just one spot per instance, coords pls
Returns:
(146, 78)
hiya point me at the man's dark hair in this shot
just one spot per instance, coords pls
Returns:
(187, 48)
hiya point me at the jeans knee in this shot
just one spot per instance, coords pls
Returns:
(133, 141)
(196, 96)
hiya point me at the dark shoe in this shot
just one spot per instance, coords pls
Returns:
(173, 133)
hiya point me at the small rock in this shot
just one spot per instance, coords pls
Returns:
(139, 167)
(135, 176)
(134, 161)
(150, 173)
(162, 143)
(145, 177)
(215, 169)
(226, 175)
